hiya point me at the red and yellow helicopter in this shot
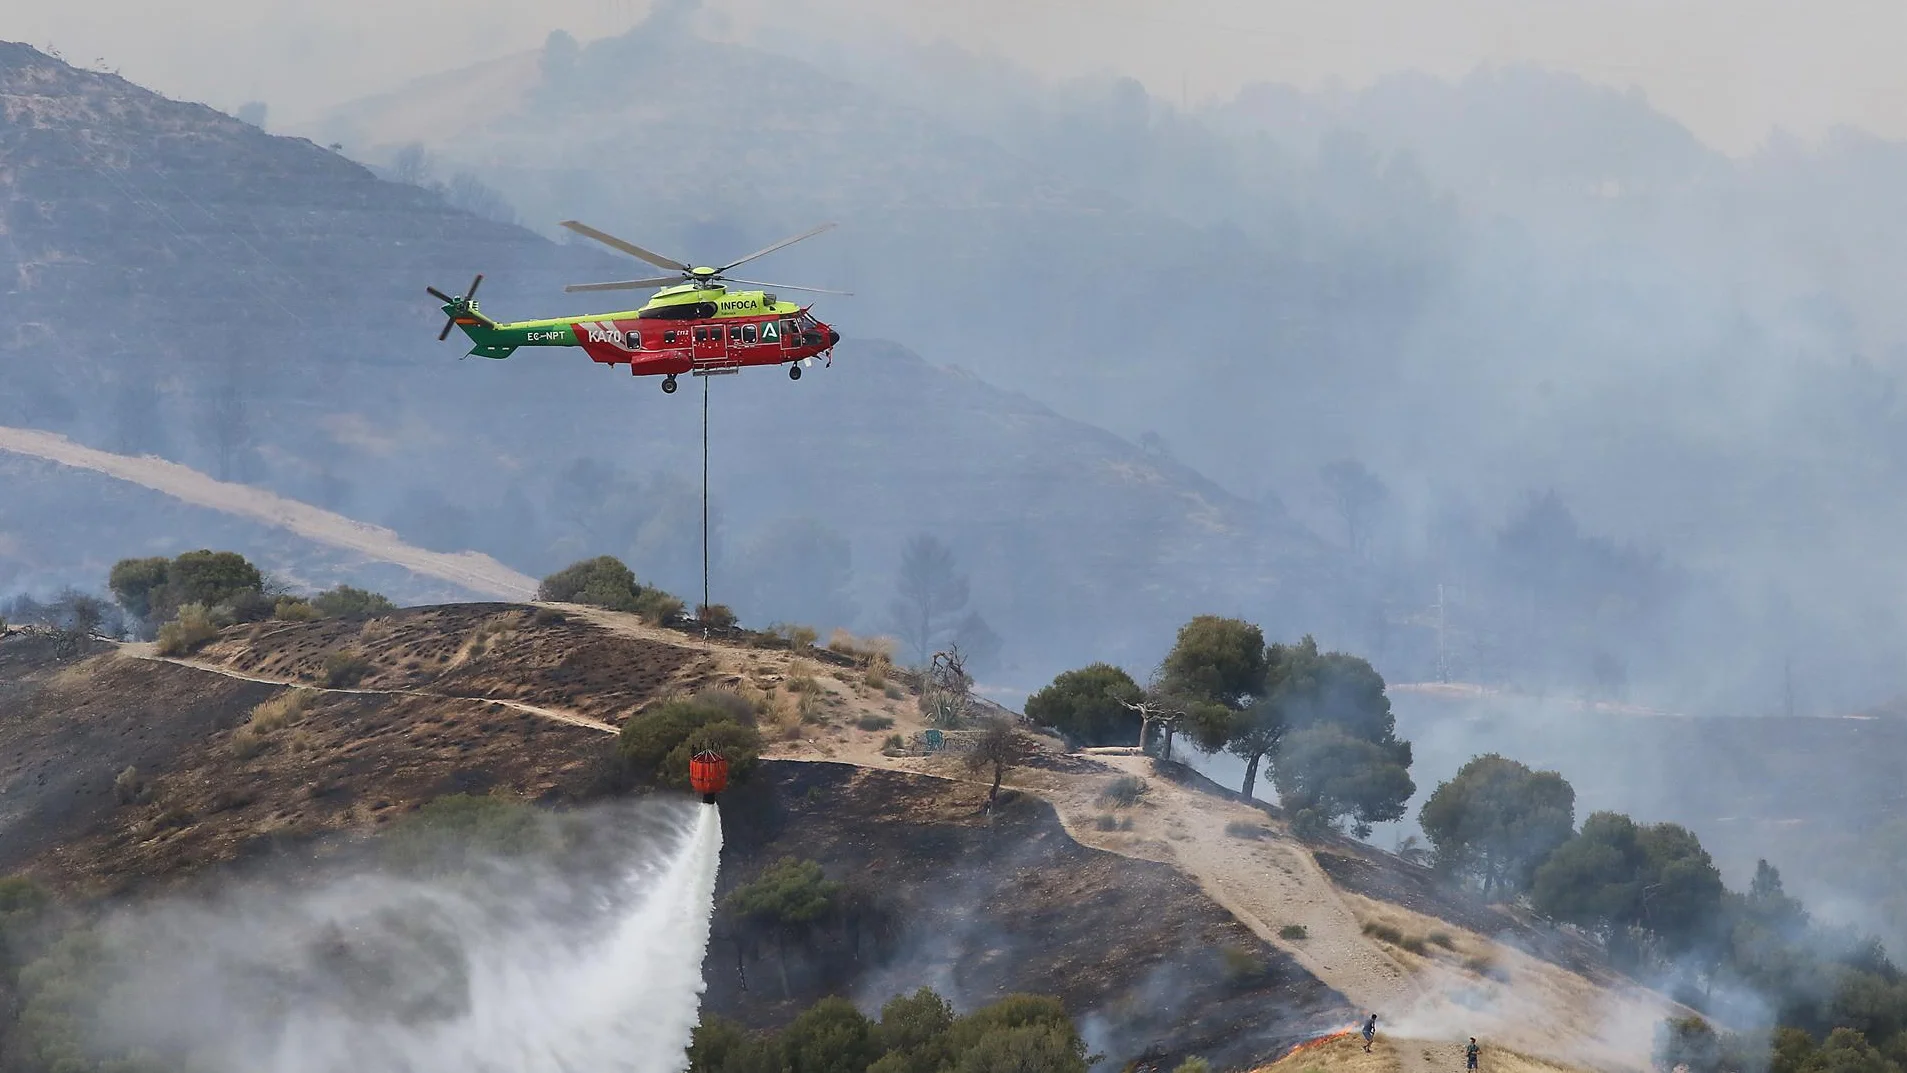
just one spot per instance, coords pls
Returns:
(694, 324)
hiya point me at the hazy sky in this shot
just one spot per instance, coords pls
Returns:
(1730, 69)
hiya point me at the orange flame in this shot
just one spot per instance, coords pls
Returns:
(1320, 1041)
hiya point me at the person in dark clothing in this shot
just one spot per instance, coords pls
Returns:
(1470, 1055)
(1370, 1033)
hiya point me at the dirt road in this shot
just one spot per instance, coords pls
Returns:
(478, 573)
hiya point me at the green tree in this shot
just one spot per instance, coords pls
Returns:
(1086, 705)
(211, 578)
(786, 902)
(719, 1045)
(1339, 754)
(1001, 747)
(1497, 820)
(1253, 734)
(656, 745)
(913, 1033)
(1220, 660)
(1018, 1034)
(829, 1037)
(134, 583)
(1616, 877)
(347, 602)
(601, 582)
(1331, 774)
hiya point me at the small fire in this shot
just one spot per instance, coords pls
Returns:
(1320, 1041)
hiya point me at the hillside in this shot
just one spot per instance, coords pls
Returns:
(518, 700)
(285, 342)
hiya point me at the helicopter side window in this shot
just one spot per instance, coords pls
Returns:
(701, 335)
(734, 333)
(668, 337)
(748, 333)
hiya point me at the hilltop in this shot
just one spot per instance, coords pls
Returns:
(1201, 890)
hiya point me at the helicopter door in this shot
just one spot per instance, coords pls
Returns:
(710, 343)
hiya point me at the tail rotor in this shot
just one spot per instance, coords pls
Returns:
(463, 307)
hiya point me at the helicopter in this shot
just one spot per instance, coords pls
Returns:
(693, 324)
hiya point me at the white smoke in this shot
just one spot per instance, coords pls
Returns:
(507, 968)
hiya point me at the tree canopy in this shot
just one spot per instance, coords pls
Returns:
(1220, 660)
(1497, 820)
(1629, 882)
(917, 1033)
(1085, 705)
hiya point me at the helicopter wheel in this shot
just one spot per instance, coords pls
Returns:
(794, 372)
(668, 385)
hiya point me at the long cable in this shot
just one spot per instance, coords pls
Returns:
(705, 506)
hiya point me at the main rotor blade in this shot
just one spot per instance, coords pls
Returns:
(629, 248)
(439, 295)
(445, 334)
(472, 292)
(786, 287)
(770, 249)
(622, 285)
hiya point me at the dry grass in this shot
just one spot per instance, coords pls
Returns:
(270, 717)
(865, 650)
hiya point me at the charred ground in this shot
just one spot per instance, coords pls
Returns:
(981, 906)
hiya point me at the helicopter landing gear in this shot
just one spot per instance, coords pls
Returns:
(794, 372)
(668, 384)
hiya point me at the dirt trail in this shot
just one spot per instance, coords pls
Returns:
(1426, 1004)
(145, 652)
(475, 572)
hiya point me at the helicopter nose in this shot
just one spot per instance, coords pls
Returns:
(833, 337)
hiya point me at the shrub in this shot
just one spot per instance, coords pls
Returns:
(892, 691)
(1383, 933)
(345, 668)
(893, 743)
(1106, 821)
(656, 745)
(347, 602)
(1294, 932)
(1245, 829)
(1241, 964)
(1125, 791)
(874, 722)
(1194, 1064)
(548, 616)
(192, 630)
(876, 674)
(128, 787)
(1414, 944)
(658, 608)
(1443, 939)
(788, 894)
(863, 649)
(280, 711)
(730, 703)
(293, 609)
(1086, 705)
(715, 616)
(603, 582)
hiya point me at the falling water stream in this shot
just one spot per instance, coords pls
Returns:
(503, 968)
